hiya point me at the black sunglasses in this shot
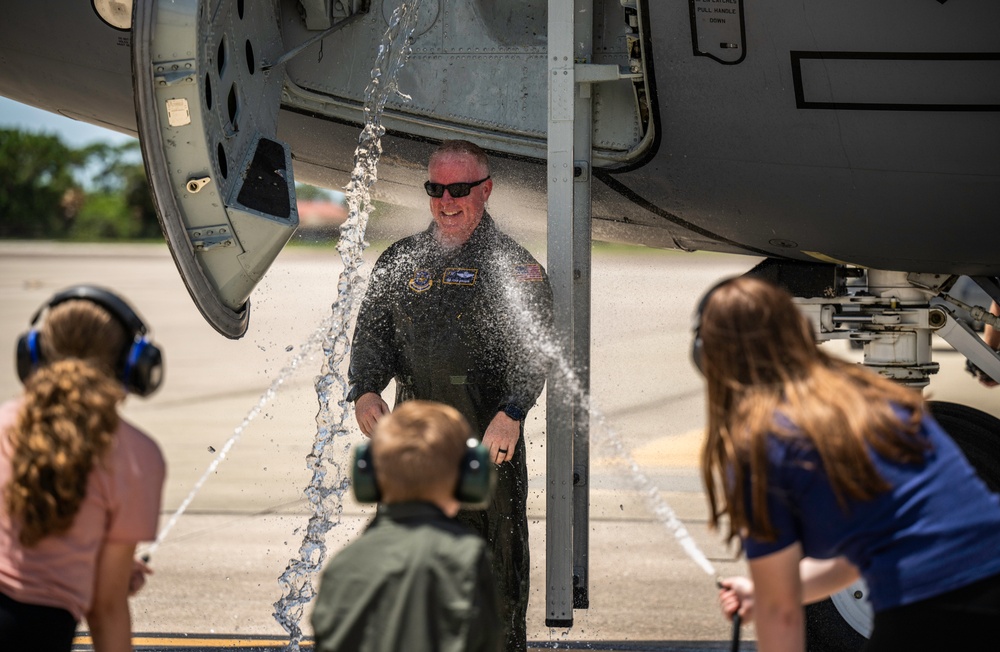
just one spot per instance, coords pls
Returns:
(454, 189)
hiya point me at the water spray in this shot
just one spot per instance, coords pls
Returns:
(545, 346)
(304, 351)
(325, 496)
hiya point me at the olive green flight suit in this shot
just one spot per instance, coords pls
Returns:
(464, 326)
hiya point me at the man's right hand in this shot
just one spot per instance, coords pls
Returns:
(368, 409)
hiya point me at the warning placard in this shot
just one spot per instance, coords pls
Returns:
(717, 29)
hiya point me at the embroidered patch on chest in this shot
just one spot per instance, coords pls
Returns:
(459, 276)
(528, 272)
(421, 280)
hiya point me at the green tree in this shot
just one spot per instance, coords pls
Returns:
(39, 194)
(139, 199)
(104, 216)
(119, 203)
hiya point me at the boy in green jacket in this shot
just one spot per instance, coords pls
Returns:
(416, 579)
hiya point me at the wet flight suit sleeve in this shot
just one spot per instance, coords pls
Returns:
(529, 339)
(373, 351)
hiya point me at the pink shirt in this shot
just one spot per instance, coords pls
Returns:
(122, 505)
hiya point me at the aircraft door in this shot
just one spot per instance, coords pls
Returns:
(207, 102)
(479, 71)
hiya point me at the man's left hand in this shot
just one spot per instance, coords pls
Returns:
(501, 437)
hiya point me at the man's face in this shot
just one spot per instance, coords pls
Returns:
(458, 217)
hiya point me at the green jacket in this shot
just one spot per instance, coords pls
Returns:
(416, 580)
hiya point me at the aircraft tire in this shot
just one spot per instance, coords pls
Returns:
(836, 624)
(977, 434)
(830, 630)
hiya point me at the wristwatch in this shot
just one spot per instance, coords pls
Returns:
(514, 412)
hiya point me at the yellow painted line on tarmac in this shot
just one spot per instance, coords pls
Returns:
(201, 641)
(680, 450)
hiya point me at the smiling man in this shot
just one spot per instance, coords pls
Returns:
(456, 216)
(457, 314)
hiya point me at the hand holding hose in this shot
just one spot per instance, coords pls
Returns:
(736, 597)
(736, 601)
(137, 578)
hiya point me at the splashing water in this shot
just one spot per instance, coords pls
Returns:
(651, 493)
(324, 495)
(304, 351)
(544, 345)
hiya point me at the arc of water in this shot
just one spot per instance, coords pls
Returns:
(545, 345)
(324, 497)
(297, 578)
(661, 509)
(304, 351)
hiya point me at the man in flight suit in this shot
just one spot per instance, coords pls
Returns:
(456, 314)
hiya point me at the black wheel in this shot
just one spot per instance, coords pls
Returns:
(842, 623)
(838, 627)
(977, 434)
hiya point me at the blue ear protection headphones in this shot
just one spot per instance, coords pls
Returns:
(475, 475)
(140, 366)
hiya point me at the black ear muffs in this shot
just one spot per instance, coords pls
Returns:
(140, 366)
(697, 345)
(475, 475)
(27, 354)
(363, 475)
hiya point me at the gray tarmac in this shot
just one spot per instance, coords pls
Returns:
(216, 571)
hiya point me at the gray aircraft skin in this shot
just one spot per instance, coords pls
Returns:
(861, 137)
(840, 131)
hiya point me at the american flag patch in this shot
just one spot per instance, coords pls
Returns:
(528, 272)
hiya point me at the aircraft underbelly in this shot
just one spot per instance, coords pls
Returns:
(838, 135)
(835, 131)
(76, 66)
(873, 218)
(832, 133)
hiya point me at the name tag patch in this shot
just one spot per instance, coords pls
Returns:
(459, 276)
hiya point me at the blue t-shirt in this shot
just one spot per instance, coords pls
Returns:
(936, 529)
